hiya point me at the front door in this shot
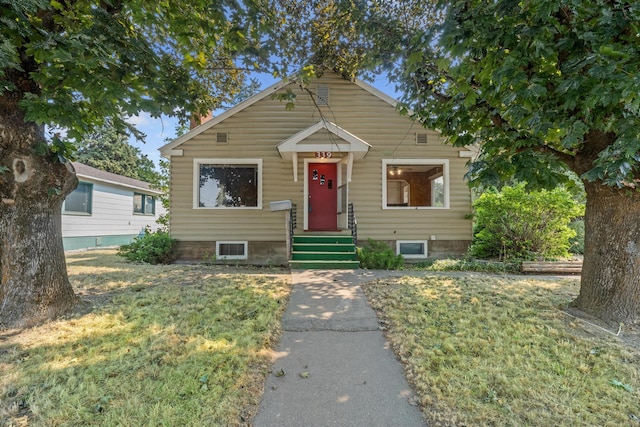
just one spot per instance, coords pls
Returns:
(323, 199)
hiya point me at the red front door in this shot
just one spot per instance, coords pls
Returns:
(323, 199)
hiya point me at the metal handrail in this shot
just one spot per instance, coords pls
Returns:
(293, 223)
(353, 224)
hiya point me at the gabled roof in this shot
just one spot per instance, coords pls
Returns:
(88, 172)
(164, 150)
(350, 143)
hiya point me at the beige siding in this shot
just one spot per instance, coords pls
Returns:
(254, 133)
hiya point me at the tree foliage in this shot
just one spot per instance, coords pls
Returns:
(538, 84)
(74, 64)
(109, 150)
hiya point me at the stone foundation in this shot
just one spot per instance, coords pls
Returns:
(448, 248)
(260, 253)
(272, 253)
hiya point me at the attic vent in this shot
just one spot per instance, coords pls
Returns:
(222, 137)
(421, 138)
(322, 95)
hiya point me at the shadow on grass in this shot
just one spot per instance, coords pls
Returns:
(490, 350)
(167, 345)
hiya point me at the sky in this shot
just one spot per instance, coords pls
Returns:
(161, 131)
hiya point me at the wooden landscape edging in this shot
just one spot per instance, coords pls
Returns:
(555, 267)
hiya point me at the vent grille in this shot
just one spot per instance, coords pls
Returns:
(421, 138)
(322, 95)
(222, 138)
(231, 250)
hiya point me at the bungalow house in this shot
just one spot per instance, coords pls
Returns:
(107, 209)
(343, 156)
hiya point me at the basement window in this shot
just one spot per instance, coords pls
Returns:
(231, 250)
(412, 248)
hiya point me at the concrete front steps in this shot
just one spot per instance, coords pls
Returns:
(323, 252)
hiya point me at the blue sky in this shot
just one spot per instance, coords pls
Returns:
(159, 130)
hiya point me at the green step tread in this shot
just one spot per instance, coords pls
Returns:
(329, 256)
(324, 265)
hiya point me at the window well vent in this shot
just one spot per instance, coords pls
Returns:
(231, 250)
(222, 138)
(421, 138)
(322, 95)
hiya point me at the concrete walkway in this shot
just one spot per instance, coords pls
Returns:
(333, 366)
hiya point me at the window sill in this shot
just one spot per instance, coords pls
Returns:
(71, 213)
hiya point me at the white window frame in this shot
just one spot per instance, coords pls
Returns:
(219, 161)
(404, 162)
(231, 257)
(412, 256)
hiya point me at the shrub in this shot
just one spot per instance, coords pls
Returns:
(522, 224)
(577, 242)
(152, 248)
(379, 256)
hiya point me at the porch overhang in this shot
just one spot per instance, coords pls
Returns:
(347, 142)
(355, 148)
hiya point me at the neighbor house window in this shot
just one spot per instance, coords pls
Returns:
(79, 201)
(231, 250)
(415, 183)
(228, 183)
(143, 204)
(412, 248)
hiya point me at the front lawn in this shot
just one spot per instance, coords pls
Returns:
(171, 345)
(488, 350)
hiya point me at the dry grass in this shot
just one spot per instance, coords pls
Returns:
(499, 351)
(153, 345)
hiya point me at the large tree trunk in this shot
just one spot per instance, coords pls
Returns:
(610, 287)
(34, 285)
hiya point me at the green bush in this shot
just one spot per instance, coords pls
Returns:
(152, 248)
(379, 256)
(577, 242)
(522, 224)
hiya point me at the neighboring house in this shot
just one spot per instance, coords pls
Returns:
(107, 209)
(343, 144)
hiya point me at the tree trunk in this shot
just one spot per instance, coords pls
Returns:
(34, 285)
(610, 286)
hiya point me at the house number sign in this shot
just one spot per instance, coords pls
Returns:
(323, 154)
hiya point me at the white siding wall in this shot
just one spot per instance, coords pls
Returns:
(111, 214)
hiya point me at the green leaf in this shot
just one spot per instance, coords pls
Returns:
(627, 387)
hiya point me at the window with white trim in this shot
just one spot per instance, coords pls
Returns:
(415, 183)
(228, 183)
(144, 204)
(79, 201)
(412, 248)
(231, 250)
